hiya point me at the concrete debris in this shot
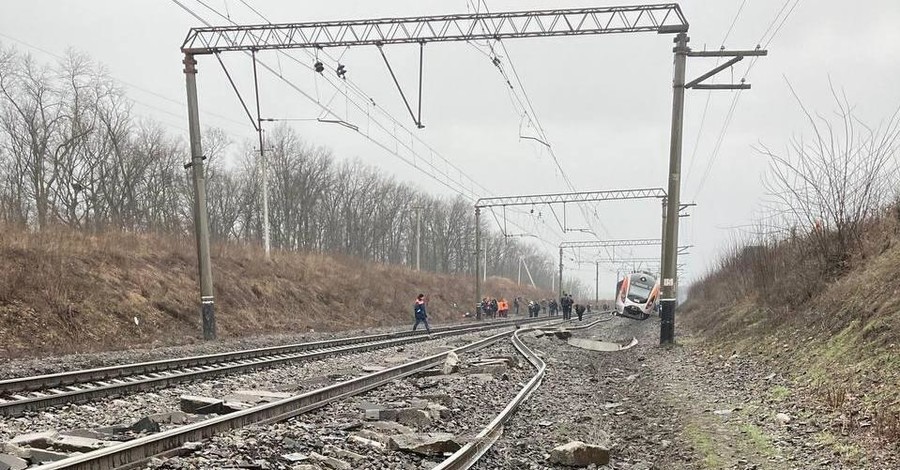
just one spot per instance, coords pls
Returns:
(451, 364)
(362, 441)
(372, 369)
(41, 440)
(79, 444)
(295, 457)
(579, 454)
(11, 462)
(432, 443)
(783, 418)
(414, 417)
(146, 425)
(39, 456)
(344, 454)
(201, 405)
(330, 462)
(563, 334)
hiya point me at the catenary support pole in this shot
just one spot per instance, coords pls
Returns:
(662, 237)
(478, 262)
(670, 240)
(559, 294)
(264, 167)
(418, 237)
(201, 222)
(597, 283)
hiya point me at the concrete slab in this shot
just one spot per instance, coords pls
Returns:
(603, 346)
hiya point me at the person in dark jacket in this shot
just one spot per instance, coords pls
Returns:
(579, 310)
(421, 315)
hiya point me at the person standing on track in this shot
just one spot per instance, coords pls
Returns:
(579, 310)
(421, 315)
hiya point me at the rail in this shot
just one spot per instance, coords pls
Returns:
(83, 386)
(469, 454)
(141, 449)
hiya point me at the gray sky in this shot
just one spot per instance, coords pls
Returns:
(604, 101)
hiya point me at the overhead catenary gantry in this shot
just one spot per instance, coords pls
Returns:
(660, 18)
(551, 199)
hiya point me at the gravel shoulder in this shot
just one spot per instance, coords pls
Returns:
(672, 408)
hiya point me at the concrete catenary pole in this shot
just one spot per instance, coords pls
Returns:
(559, 294)
(670, 240)
(662, 238)
(478, 261)
(418, 238)
(597, 283)
(264, 168)
(201, 222)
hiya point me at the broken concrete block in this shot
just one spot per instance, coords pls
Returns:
(563, 334)
(451, 364)
(441, 398)
(295, 457)
(201, 405)
(579, 454)
(79, 444)
(432, 443)
(39, 456)
(41, 440)
(344, 454)
(439, 411)
(174, 417)
(329, 462)
(414, 417)
(145, 424)
(12, 462)
(362, 441)
(372, 435)
(392, 426)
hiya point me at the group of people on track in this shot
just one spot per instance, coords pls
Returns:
(494, 308)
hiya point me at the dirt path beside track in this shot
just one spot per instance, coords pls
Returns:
(672, 408)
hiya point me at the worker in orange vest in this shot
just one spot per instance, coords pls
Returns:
(503, 308)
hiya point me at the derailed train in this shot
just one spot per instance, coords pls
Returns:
(637, 295)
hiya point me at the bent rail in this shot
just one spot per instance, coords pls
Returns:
(469, 454)
(139, 450)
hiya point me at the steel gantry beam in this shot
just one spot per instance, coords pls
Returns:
(610, 243)
(573, 197)
(553, 198)
(660, 18)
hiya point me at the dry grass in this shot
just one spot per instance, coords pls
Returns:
(836, 327)
(67, 292)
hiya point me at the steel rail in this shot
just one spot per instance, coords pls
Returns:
(159, 374)
(469, 454)
(141, 449)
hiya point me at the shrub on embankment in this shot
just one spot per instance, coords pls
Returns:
(836, 330)
(816, 293)
(63, 291)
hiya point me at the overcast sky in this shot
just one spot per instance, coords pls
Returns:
(604, 101)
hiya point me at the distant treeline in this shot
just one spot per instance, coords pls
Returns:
(73, 153)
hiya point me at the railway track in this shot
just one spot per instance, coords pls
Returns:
(133, 453)
(20, 395)
(467, 456)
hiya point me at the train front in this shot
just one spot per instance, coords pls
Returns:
(637, 296)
